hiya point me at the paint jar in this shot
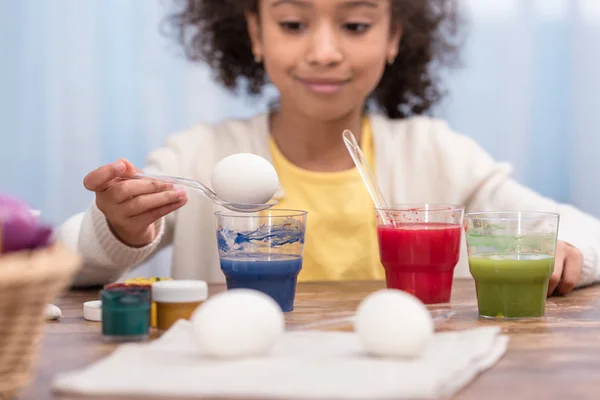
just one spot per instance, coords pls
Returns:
(177, 300)
(125, 313)
(147, 282)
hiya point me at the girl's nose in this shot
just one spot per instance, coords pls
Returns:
(324, 48)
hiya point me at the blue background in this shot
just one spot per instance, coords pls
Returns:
(84, 82)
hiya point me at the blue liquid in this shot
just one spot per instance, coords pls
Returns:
(274, 274)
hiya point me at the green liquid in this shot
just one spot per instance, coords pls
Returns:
(511, 286)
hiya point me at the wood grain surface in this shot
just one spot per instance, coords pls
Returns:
(555, 357)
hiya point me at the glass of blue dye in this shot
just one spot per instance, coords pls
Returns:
(262, 251)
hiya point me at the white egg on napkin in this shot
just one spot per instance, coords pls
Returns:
(238, 323)
(393, 323)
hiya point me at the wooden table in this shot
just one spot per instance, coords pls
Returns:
(557, 357)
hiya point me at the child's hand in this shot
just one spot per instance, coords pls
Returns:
(567, 267)
(132, 206)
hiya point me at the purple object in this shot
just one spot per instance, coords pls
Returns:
(41, 238)
(20, 227)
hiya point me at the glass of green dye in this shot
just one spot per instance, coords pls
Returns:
(125, 313)
(511, 258)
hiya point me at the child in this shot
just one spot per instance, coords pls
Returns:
(330, 60)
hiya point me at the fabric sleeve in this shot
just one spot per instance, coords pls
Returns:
(105, 257)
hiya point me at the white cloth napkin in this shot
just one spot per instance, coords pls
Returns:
(302, 365)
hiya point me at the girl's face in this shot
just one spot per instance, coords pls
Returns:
(324, 56)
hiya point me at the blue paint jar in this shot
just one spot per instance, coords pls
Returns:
(126, 313)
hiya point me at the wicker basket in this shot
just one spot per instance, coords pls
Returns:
(29, 280)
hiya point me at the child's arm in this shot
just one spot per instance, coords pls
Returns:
(490, 187)
(106, 257)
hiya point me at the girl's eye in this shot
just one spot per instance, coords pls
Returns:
(292, 26)
(356, 27)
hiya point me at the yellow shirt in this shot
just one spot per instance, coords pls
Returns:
(341, 238)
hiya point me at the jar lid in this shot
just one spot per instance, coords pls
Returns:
(125, 297)
(142, 281)
(92, 310)
(179, 291)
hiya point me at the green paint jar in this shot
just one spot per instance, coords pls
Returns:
(125, 313)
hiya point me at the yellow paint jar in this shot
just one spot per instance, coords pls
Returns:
(177, 299)
(147, 282)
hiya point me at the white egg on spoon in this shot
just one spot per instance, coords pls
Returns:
(243, 183)
(244, 178)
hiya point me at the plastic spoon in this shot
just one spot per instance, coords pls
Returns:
(209, 194)
(366, 174)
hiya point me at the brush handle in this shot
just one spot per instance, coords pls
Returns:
(366, 174)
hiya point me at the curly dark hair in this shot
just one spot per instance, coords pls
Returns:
(215, 31)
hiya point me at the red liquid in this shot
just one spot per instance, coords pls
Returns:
(420, 258)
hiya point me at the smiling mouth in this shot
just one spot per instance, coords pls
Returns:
(323, 86)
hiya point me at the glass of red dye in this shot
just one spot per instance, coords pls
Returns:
(419, 246)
